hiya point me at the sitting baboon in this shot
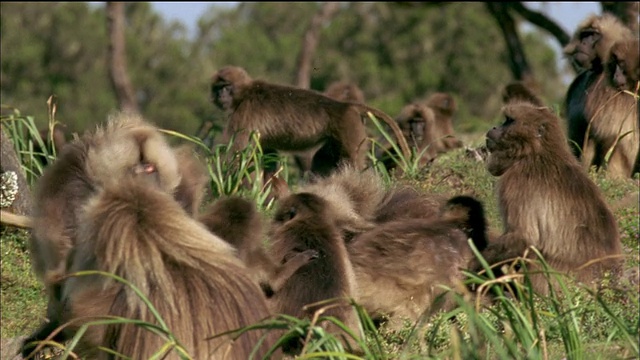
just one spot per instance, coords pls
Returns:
(293, 119)
(401, 265)
(303, 222)
(601, 121)
(444, 107)
(66, 185)
(547, 200)
(131, 225)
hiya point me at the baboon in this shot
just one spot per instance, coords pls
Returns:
(444, 106)
(418, 124)
(623, 68)
(401, 265)
(405, 202)
(546, 199)
(66, 185)
(294, 119)
(237, 221)
(518, 90)
(132, 226)
(600, 119)
(302, 222)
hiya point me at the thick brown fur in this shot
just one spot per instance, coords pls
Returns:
(133, 227)
(344, 91)
(295, 119)
(599, 117)
(303, 222)
(546, 199)
(623, 68)
(401, 264)
(67, 184)
(237, 221)
(444, 106)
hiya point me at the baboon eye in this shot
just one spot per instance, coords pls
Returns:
(508, 121)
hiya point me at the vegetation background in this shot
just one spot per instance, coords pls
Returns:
(396, 52)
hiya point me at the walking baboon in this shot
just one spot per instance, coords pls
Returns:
(133, 227)
(600, 119)
(400, 266)
(546, 199)
(444, 107)
(238, 222)
(66, 185)
(302, 222)
(294, 119)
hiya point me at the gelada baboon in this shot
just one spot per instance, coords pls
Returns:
(600, 119)
(302, 222)
(401, 265)
(133, 227)
(546, 199)
(237, 221)
(344, 91)
(444, 106)
(67, 184)
(294, 119)
(418, 124)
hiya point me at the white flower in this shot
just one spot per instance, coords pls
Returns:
(8, 188)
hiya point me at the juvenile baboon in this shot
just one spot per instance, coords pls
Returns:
(418, 124)
(66, 185)
(133, 227)
(600, 119)
(401, 265)
(294, 119)
(237, 221)
(547, 199)
(444, 107)
(518, 90)
(302, 222)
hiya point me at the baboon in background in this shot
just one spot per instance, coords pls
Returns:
(302, 222)
(295, 119)
(623, 68)
(444, 107)
(400, 265)
(237, 221)
(599, 117)
(547, 199)
(133, 227)
(341, 91)
(66, 185)
(418, 124)
(518, 90)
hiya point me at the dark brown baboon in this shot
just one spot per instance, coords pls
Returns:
(401, 265)
(546, 199)
(67, 184)
(294, 119)
(518, 90)
(238, 222)
(600, 120)
(418, 124)
(133, 227)
(302, 222)
(444, 106)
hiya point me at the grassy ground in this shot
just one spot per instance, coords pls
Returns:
(575, 324)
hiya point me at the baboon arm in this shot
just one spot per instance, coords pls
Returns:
(290, 267)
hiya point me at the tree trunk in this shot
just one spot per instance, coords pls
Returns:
(310, 42)
(117, 59)
(517, 59)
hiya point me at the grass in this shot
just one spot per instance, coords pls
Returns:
(574, 322)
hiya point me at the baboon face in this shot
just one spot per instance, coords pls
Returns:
(584, 53)
(624, 67)
(299, 206)
(224, 85)
(526, 130)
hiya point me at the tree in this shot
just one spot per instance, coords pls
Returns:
(117, 58)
